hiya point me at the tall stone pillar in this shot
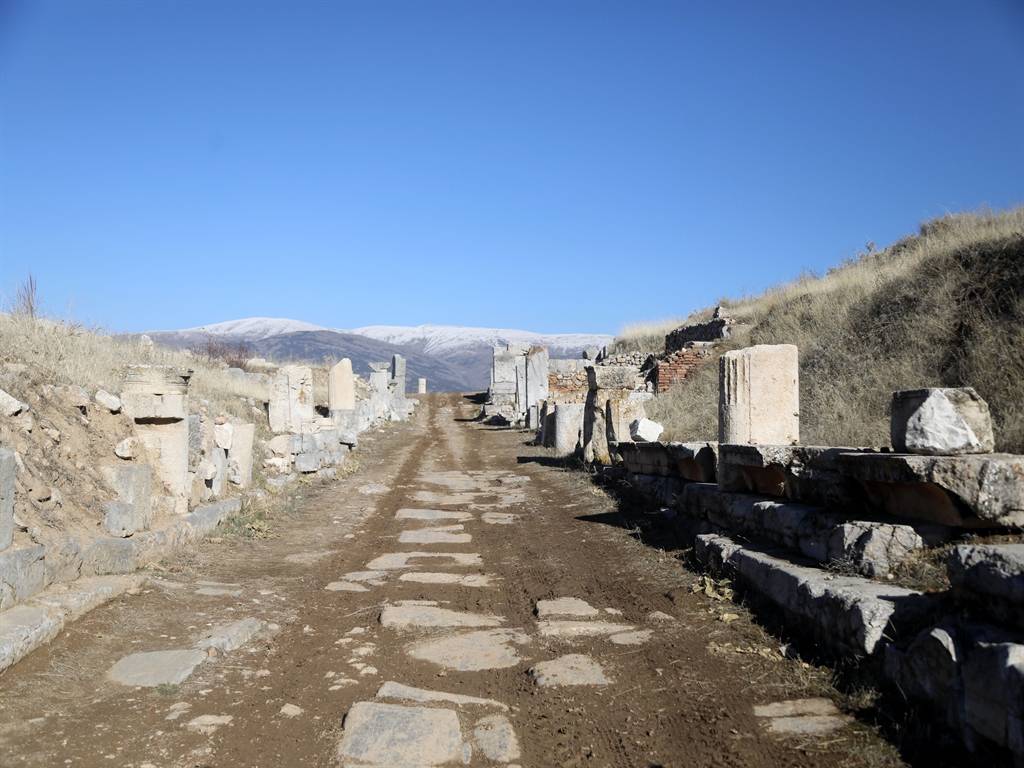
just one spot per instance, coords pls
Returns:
(156, 397)
(8, 466)
(536, 376)
(341, 391)
(759, 396)
(421, 386)
(291, 399)
(398, 374)
(568, 427)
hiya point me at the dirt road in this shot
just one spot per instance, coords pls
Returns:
(418, 601)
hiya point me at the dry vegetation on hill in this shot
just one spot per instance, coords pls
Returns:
(944, 307)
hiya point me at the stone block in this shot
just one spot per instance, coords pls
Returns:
(291, 404)
(110, 556)
(536, 376)
(223, 435)
(22, 574)
(645, 430)
(941, 421)
(759, 395)
(341, 392)
(421, 386)
(398, 374)
(568, 427)
(25, 628)
(8, 469)
(111, 402)
(240, 456)
(155, 392)
(846, 614)
(132, 511)
(612, 377)
(308, 462)
(971, 491)
(989, 578)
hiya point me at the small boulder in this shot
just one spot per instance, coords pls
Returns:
(11, 406)
(645, 431)
(111, 402)
(126, 448)
(941, 421)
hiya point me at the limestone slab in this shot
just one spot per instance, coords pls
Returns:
(393, 561)
(498, 518)
(564, 606)
(433, 536)
(463, 580)
(559, 628)
(431, 514)
(393, 690)
(152, 668)
(406, 616)
(496, 738)
(472, 651)
(571, 669)
(392, 735)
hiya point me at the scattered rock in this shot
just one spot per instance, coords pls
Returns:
(126, 448)
(111, 402)
(291, 710)
(207, 724)
(645, 431)
(11, 406)
(941, 421)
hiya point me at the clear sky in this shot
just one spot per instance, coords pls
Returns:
(553, 166)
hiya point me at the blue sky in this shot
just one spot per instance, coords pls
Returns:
(554, 166)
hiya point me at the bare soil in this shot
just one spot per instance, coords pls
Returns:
(683, 698)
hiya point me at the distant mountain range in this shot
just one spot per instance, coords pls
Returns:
(452, 358)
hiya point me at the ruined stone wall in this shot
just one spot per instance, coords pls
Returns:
(678, 365)
(568, 387)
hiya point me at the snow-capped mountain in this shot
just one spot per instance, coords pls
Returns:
(252, 328)
(451, 357)
(439, 339)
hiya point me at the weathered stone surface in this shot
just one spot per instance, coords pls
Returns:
(571, 629)
(564, 606)
(126, 449)
(133, 510)
(472, 651)
(152, 668)
(291, 406)
(392, 735)
(463, 580)
(111, 402)
(208, 724)
(759, 395)
(398, 560)
(431, 514)
(873, 548)
(398, 374)
(240, 456)
(223, 435)
(801, 717)
(990, 579)
(846, 613)
(536, 377)
(690, 462)
(568, 427)
(496, 738)
(406, 616)
(941, 421)
(341, 391)
(8, 470)
(25, 628)
(392, 690)
(434, 536)
(232, 636)
(498, 518)
(571, 669)
(645, 430)
(10, 405)
(973, 491)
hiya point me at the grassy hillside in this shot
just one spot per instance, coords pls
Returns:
(944, 307)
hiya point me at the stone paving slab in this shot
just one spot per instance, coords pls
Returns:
(152, 668)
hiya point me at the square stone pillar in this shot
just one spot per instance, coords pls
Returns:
(759, 396)
(156, 397)
(291, 399)
(398, 374)
(341, 390)
(8, 467)
(536, 376)
(421, 386)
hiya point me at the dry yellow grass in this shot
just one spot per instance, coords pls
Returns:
(64, 353)
(944, 307)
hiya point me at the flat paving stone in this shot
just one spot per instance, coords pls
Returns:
(637, 637)
(404, 737)
(416, 616)
(463, 580)
(433, 536)
(346, 586)
(152, 668)
(801, 716)
(496, 738)
(564, 606)
(571, 669)
(377, 578)
(230, 637)
(472, 651)
(570, 629)
(219, 592)
(392, 690)
(431, 514)
(498, 518)
(394, 561)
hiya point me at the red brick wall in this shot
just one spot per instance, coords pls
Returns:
(678, 365)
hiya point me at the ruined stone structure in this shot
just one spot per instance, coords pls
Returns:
(156, 398)
(341, 393)
(759, 396)
(519, 384)
(291, 399)
(676, 366)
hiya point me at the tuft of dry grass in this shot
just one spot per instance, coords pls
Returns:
(943, 307)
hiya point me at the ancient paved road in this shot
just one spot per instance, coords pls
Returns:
(459, 600)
